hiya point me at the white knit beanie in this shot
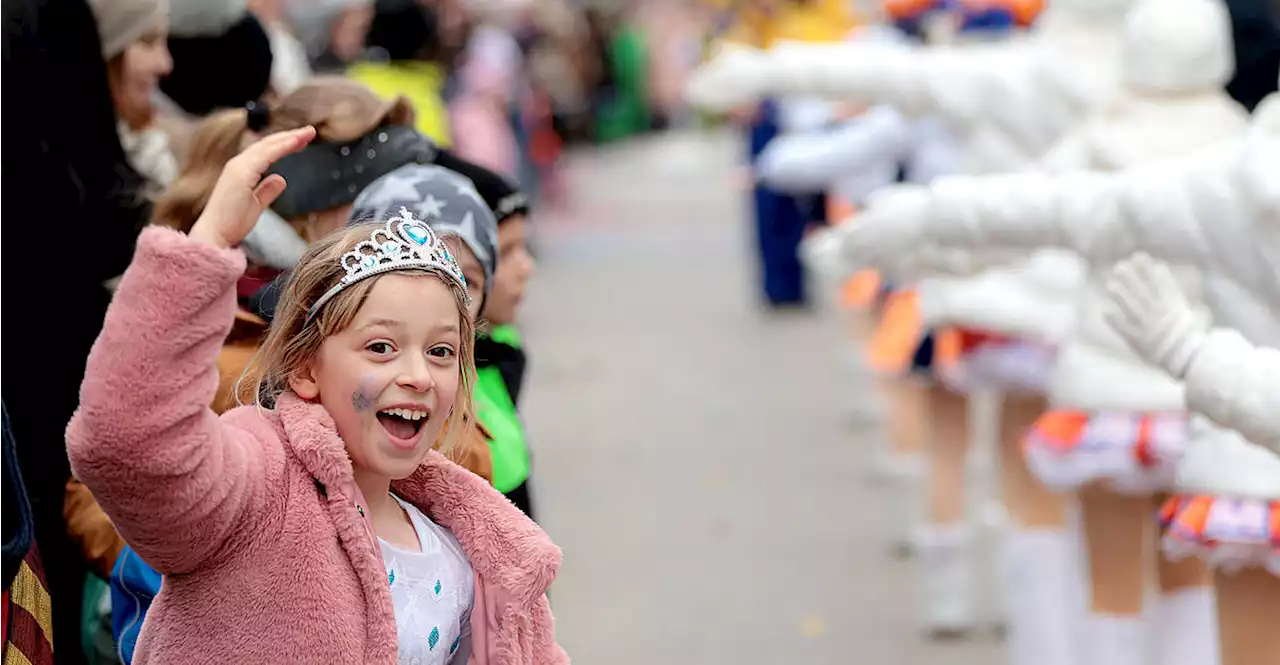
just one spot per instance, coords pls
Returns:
(123, 22)
(312, 20)
(204, 18)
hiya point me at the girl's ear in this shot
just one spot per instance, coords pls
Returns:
(304, 384)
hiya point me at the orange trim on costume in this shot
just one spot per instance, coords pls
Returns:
(1144, 447)
(839, 209)
(952, 344)
(1025, 12)
(1169, 510)
(901, 328)
(860, 290)
(1275, 523)
(1061, 429)
(1193, 514)
(948, 347)
(904, 9)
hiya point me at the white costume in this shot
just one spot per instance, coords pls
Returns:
(1008, 102)
(1176, 59)
(861, 154)
(1218, 210)
(1168, 108)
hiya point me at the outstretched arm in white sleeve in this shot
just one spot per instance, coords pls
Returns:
(808, 161)
(1168, 209)
(957, 84)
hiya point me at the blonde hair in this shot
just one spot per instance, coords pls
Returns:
(341, 110)
(292, 342)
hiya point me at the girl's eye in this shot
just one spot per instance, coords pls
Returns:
(379, 348)
(441, 352)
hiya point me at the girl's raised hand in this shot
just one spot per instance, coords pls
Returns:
(241, 193)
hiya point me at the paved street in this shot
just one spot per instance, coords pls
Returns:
(692, 456)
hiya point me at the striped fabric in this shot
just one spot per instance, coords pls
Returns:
(28, 615)
(1226, 533)
(1131, 452)
(969, 360)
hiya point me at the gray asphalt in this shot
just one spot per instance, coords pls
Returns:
(692, 455)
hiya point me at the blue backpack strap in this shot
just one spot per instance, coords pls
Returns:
(133, 585)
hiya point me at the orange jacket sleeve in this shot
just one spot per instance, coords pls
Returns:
(91, 529)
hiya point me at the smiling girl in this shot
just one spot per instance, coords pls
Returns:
(317, 525)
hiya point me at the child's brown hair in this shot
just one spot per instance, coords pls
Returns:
(340, 109)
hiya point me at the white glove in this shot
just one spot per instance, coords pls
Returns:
(888, 228)
(1153, 316)
(820, 252)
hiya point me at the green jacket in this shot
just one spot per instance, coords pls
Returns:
(628, 113)
(497, 412)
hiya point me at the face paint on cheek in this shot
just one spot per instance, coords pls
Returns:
(364, 395)
(361, 402)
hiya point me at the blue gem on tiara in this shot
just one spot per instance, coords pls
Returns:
(417, 233)
(403, 243)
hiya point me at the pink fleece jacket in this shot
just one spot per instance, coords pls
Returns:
(252, 516)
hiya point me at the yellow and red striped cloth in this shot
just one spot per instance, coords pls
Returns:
(28, 615)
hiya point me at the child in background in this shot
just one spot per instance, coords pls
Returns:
(500, 363)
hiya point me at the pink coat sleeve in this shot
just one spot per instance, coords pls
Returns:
(178, 483)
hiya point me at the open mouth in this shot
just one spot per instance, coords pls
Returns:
(402, 424)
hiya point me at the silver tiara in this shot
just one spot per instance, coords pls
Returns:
(404, 243)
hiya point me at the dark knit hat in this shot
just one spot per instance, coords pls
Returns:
(502, 196)
(226, 70)
(403, 30)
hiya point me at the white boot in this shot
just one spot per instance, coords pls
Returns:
(1113, 640)
(904, 481)
(992, 524)
(895, 468)
(1043, 597)
(1186, 628)
(865, 404)
(946, 579)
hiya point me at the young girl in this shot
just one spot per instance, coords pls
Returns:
(500, 359)
(459, 215)
(456, 211)
(271, 521)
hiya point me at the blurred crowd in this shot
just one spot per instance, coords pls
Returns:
(921, 158)
(125, 112)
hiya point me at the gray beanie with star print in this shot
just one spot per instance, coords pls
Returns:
(447, 201)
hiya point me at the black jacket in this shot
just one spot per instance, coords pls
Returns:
(1257, 46)
(74, 204)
